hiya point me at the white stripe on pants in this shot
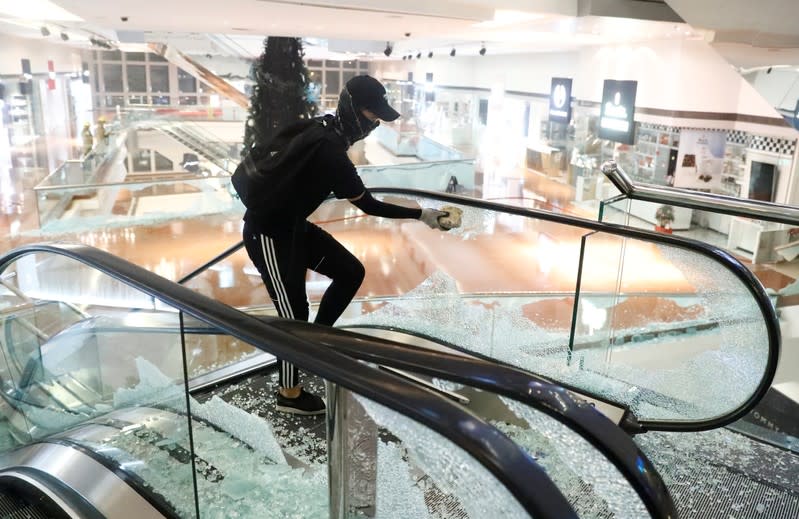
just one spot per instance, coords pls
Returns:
(283, 303)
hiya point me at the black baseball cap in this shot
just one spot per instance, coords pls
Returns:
(367, 92)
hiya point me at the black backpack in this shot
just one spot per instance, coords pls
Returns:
(267, 175)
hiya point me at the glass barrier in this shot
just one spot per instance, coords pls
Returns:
(415, 466)
(448, 176)
(640, 324)
(590, 482)
(663, 343)
(88, 354)
(114, 383)
(757, 241)
(70, 208)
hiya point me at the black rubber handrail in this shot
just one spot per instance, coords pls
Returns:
(508, 462)
(716, 254)
(532, 390)
(523, 386)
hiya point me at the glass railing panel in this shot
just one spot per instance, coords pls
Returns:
(25, 329)
(233, 280)
(116, 348)
(692, 324)
(416, 466)
(451, 175)
(757, 241)
(590, 482)
(93, 365)
(67, 209)
(451, 287)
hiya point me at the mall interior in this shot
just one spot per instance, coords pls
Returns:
(608, 333)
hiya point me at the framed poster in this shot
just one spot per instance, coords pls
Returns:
(560, 100)
(700, 159)
(618, 111)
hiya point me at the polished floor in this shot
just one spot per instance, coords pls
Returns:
(502, 254)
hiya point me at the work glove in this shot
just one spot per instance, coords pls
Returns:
(430, 218)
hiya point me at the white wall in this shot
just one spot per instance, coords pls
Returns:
(672, 75)
(38, 51)
(522, 72)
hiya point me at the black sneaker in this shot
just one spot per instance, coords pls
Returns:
(305, 404)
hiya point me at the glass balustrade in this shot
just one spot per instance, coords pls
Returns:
(641, 323)
(91, 206)
(105, 367)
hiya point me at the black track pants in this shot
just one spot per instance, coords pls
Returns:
(282, 258)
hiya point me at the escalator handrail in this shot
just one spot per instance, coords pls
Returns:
(482, 373)
(716, 254)
(709, 202)
(518, 384)
(522, 476)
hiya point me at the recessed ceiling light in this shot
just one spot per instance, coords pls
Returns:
(240, 29)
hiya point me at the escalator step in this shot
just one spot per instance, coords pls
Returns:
(20, 500)
(721, 494)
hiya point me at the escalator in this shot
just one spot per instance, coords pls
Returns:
(24, 497)
(673, 357)
(185, 442)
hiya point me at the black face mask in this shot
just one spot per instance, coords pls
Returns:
(354, 125)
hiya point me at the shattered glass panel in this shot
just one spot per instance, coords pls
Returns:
(591, 483)
(92, 206)
(240, 467)
(444, 476)
(653, 326)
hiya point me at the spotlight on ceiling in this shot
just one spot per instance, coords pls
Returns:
(430, 54)
(483, 50)
(405, 57)
(419, 55)
(452, 52)
(45, 31)
(64, 36)
(389, 49)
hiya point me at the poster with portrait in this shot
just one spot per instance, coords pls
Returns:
(700, 159)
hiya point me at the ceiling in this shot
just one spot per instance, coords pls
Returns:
(748, 33)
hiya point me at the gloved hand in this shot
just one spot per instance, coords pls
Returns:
(430, 218)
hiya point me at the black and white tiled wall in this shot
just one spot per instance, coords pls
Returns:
(750, 140)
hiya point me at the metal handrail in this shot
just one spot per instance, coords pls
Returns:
(724, 204)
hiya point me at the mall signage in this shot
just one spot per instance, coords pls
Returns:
(617, 111)
(560, 100)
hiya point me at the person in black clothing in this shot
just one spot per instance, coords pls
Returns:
(282, 244)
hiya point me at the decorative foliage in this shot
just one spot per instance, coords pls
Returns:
(665, 215)
(280, 94)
